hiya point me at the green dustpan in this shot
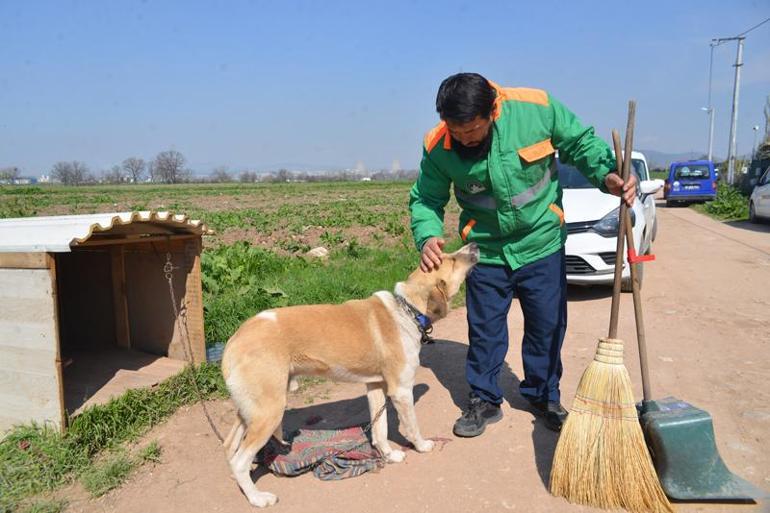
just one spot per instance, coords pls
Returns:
(680, 437)
(681, 441)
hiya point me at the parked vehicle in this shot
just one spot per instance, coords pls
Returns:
(592, 225)
(690, 181)
(759, 202)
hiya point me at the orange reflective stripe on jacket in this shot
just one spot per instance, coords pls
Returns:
(559, 212)
(467, 229)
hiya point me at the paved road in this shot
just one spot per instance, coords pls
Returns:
(707, 307)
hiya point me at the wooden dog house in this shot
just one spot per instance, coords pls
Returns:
(86, 310)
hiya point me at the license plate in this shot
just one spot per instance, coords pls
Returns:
(692, 186)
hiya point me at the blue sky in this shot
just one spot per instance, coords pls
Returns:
(262, 85)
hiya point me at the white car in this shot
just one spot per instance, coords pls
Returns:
(592, 225)
(759, 202)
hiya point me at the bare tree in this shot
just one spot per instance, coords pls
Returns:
(9, 174)
(283, 175)
(247, 177)
(169, 167)
(80, 172)
(134, 168)
(71, 173)
(62, 172)
(114, 175)
(151, 171)
(221, 175)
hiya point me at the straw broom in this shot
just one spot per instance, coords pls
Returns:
(601, 458)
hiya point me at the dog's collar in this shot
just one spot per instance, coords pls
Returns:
(420, 319)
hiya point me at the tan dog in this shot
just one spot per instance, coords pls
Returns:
(374, 341)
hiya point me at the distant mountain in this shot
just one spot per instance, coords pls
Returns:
(658, 159)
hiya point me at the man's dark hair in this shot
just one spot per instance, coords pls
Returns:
(464, 96)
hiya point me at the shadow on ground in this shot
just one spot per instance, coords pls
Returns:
(344, 414)
(752, 227)
(446, 359)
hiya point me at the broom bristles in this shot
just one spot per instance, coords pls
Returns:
(601, 458)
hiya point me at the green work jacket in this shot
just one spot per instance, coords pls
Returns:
(510, 200)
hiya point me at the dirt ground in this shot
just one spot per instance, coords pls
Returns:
(707, 311)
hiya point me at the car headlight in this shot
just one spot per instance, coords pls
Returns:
(607, 226)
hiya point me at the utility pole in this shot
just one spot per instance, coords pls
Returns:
(767, 118)
(754, 144)
(710, 109)
(731, 151)
(736, 92)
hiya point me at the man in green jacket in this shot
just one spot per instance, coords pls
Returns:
(496, 146)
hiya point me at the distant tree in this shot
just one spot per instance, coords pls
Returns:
(283, 175)
(221, 175)
(168, 167)
(9, 174)
(71, 173)
(151, 171)
(247, 177)
(114, 175)
(62, 172)
(134, 168)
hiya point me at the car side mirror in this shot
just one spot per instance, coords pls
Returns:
(650, 186)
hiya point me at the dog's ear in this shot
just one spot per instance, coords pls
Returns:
(438, 302)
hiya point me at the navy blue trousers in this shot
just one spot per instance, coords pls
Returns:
(541, 288)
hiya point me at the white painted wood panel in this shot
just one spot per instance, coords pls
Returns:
(25, 283)
(29, 382)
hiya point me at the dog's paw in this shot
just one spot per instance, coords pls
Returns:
(424, 445)
(395, 456)
(262, 499)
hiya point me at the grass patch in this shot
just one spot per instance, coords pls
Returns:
(730, 205)
(35, 459)
(102, 477)
(46, 506)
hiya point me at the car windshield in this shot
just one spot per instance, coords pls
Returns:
(694, 171)
(571, 178)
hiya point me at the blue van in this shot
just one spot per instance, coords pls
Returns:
(693, 180)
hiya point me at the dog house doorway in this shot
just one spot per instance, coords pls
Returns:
(118, 327)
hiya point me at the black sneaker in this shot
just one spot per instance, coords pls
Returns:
(476, 417)
(553, 413)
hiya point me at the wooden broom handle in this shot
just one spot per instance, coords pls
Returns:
(640, 336)
(623, 163)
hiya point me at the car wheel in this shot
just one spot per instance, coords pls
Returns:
(670, 203)
(627, 286)
(654, 229)
(752, 213)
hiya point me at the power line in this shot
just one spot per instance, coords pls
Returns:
(752, 28)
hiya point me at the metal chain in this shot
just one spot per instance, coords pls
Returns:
(168, 272)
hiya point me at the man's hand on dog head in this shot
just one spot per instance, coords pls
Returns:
(431, 254)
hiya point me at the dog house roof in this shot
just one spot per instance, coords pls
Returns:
(58, 234)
